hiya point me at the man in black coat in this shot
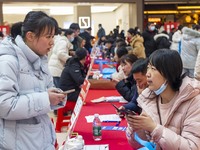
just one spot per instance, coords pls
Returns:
(148, 35)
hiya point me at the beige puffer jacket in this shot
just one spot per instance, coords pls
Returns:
(181, 129)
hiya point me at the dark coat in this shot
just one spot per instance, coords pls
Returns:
(133, 105)
(149, 43)
(101, 32)
(76, 42)
(87, 38)
(128, 89)
(72, 77)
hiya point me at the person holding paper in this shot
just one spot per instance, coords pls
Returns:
(170, 106)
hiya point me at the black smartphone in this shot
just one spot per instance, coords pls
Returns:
(125, 111)
(116, 107)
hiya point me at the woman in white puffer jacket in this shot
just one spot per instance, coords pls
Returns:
(190, 45)
(60, 54)
(26, 90)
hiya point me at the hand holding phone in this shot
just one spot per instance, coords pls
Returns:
(127, 112)
(124, 111)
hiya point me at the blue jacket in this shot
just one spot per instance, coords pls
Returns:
(24, 101)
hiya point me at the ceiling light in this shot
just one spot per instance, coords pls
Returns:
(98, 9)
(54, 10)
(16, 10)
(188, 7)
(161, 12)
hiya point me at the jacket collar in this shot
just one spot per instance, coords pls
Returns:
(33, 58)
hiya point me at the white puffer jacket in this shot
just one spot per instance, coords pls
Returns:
(190, 45)
(59, 56)
(24, 100)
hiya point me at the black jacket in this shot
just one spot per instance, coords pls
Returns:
(72, 77)
(87, 38)
(149, 43)
(128, 89)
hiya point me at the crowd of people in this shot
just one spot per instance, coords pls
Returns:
(157, 73)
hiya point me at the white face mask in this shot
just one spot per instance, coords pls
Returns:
(115, 50)
(152, 28)
(161, 89)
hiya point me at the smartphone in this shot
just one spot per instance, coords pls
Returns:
(68, 91)
(125, 111)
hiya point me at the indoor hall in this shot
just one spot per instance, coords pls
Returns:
(109, 14)
(115, 11)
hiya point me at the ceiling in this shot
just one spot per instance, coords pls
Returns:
(56, 8)
(63, 8)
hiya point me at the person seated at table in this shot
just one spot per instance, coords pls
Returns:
(170, 106)
(73, 75)
(127, 87)
(119, 74)
(108, 52)
(138, 73)
(119, 43)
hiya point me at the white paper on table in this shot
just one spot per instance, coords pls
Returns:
(104, 118)
(119, 99)
(116, 99)
(98, 100)
(96, 147)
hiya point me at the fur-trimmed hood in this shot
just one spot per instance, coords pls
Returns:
(189, 33)
(160, 35)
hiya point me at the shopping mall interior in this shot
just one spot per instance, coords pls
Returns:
(125, 13)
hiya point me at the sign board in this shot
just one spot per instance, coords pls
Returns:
(77, 108)
(169, 25)
(154, 19)
(84, 22)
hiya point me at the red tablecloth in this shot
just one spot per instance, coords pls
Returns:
(116, 139)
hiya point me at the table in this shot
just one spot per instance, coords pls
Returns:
(116, 139)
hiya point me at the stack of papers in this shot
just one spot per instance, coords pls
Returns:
(96, 147)
(104, 118)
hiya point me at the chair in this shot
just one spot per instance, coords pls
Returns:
(63, 120)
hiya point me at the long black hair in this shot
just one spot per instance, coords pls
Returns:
(169, 64)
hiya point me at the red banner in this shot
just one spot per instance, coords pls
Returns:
(170, 25)
(5, 30)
